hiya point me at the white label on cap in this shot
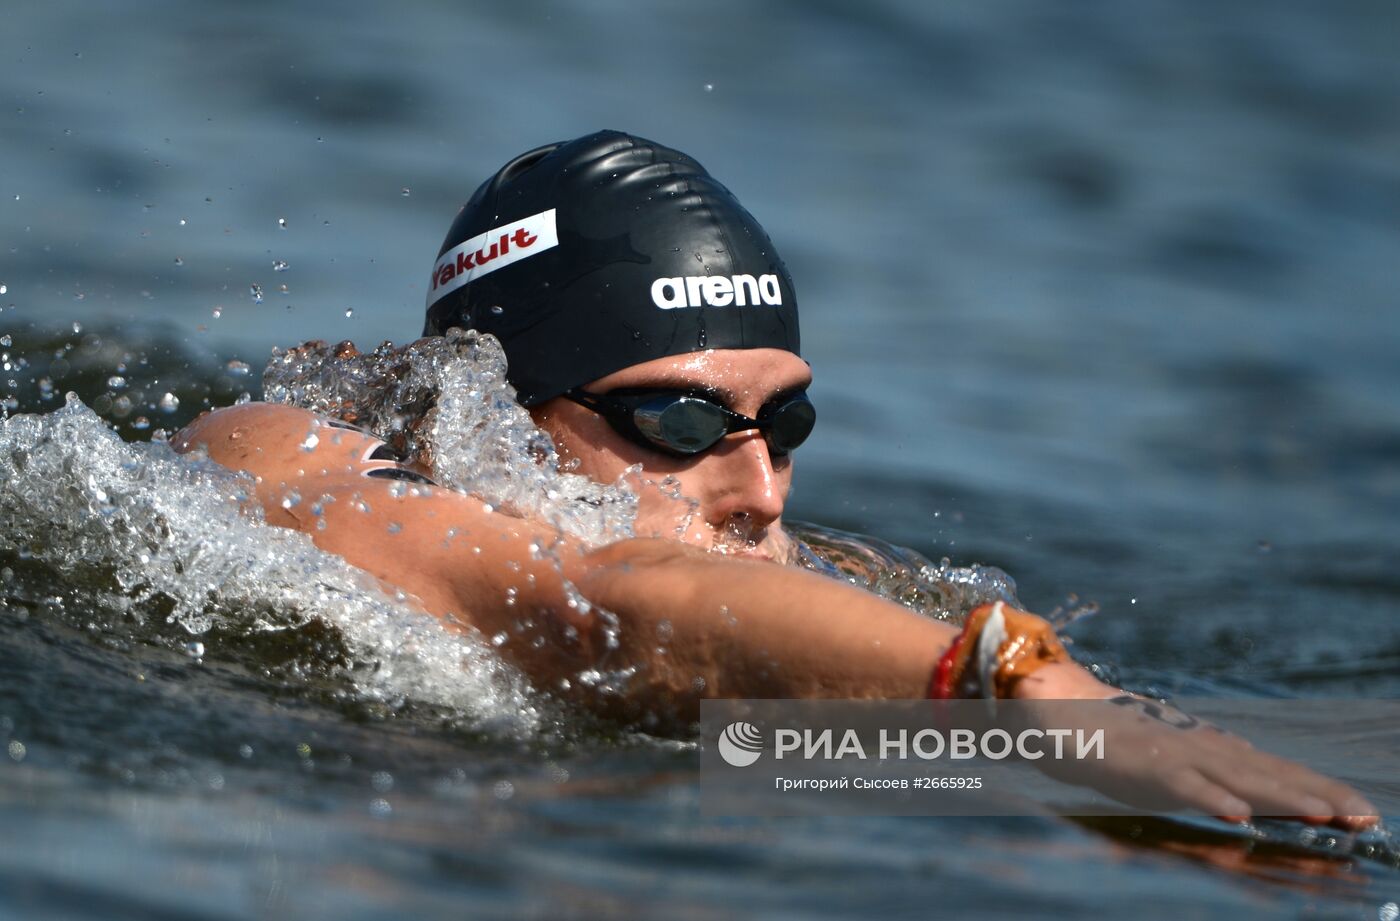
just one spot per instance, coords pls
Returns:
(490, 251)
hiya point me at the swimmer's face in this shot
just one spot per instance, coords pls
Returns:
(738, 487)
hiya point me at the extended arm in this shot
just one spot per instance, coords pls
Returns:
(644, 629)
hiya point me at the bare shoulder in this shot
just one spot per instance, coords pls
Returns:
(254, 435)
(281, 445)
(356, 497)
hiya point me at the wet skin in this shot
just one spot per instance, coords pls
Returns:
(740, 487)
(692, 624)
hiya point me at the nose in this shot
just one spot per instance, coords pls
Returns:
(743, 484)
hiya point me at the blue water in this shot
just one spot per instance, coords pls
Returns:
(1102, 294)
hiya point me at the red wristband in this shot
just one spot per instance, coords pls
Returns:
(941, 684)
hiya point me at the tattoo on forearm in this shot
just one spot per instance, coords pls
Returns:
(1162, 713)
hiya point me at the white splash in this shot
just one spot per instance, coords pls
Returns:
(446, 400)
(154, 525)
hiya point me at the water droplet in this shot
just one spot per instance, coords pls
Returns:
(169, 402)
(405, 191)
(349, 311)
(282, 222)
(709, 87)
(291, 499)
(310, 442)
(279, 265)
(194, 649)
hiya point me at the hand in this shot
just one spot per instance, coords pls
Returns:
(1157, 756)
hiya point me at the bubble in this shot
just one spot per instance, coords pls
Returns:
(141, 423)
(77, 327)
(282, 223)
(194, 649)
(245, 751)
(169, 402)
(291, 499)
(3, 288)
(380, 808)
(503, 789)
(349, 311)
(311, 440)
(216, 312)
(179, 261)
(5, 340)
(382, 781)
(709, 87)
(255, 291)
(405, 191)
(17, 750)
(182, 222)
(497, 309)
(237, 368)
(279, 265)
(116, 381)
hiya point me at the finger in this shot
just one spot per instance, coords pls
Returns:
(1284, 789)
(1194, 790)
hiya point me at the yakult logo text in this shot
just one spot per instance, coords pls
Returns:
(490, 251)
(716, 291)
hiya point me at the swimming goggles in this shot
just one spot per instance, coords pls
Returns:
(685, 422)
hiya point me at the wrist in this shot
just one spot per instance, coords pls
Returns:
(998, 649)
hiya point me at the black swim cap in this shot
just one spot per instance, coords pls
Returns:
(592, 255)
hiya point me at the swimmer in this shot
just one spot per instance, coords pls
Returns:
(647, 319)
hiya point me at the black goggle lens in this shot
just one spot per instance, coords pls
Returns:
(790, 423)
(688, 425)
